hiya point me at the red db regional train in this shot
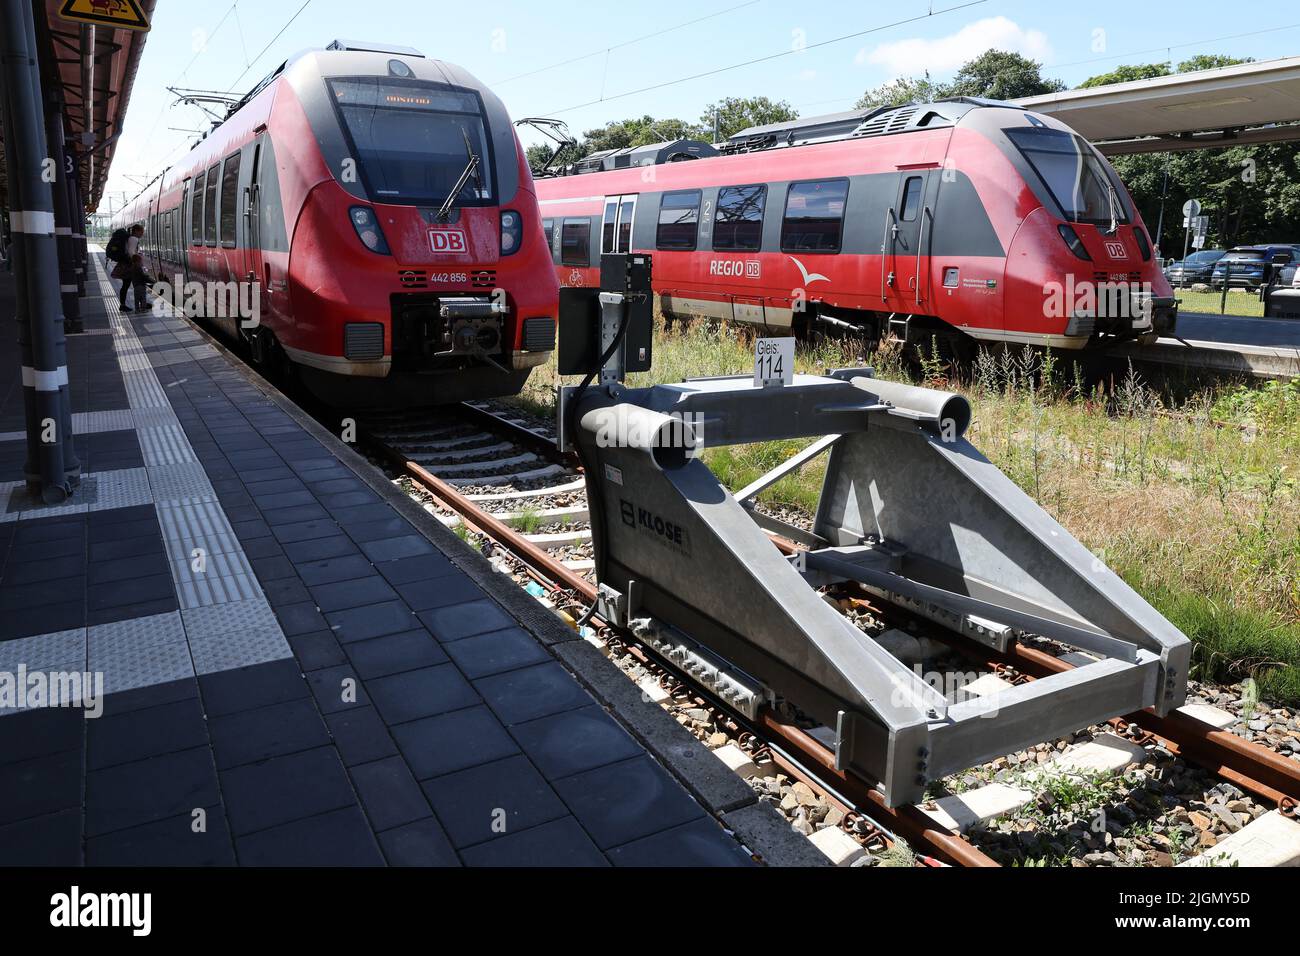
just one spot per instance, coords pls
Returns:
(966, 219)
(382, 208)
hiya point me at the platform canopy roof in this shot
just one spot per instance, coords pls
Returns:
(1232, 105)
(91, 70)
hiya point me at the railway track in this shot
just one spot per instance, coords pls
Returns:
(487, 471)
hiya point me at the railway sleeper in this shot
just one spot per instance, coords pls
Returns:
(909, 510)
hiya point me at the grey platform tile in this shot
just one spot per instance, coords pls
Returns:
(625, 801)
(358, 592)
(140, 652)
(148, 790)
(454, 741)
(121, 738)
(389, 794)
(531, 692)
(338, 838)
(372, 620)
(449, 589)
(40, 732)
(496, 652)
(337, 689)
(575, 741)
(53, 839)
(228, 692)
(422, 843)
(421, 693)
(395, 653)
(282, 789)
(390, 549)
(271, 731)
(332, 570)
(465, 620)
(700, 843)
(169, 842)
(560, 843)
(40, 786)
(360, 735)
(492, 801)
(317, 650)
(42, 651)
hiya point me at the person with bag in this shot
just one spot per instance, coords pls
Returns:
(122, 249)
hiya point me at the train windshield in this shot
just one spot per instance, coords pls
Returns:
(1072, 172)
(412, 141)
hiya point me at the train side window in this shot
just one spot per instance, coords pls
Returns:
(210, 205)
(679, 220)
(548, 230)
(229, 198)
(575, 242)
(196, 210)
(911, 198)
(607, 229)
(814, 216)
(738, 226)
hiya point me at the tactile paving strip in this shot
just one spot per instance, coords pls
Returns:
(164, 445)
(178, 482)
(140, 652)
(88, 423)
(44, 650)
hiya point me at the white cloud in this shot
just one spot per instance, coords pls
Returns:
(945, 54)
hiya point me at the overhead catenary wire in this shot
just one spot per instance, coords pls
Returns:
(769, 57)
(626, 43)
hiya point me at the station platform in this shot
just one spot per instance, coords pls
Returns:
(299, 666)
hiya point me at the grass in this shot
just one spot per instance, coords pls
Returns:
(1189, 492)
(1239, 302)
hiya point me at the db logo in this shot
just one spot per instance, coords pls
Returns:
(1116, 250)
(450, 241)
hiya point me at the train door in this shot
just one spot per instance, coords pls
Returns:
(616, 229)
(183, 231)
(252, 265)
(908, 234)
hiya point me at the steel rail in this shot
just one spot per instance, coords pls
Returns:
(912, 824)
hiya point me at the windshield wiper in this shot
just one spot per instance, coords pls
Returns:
(1113, 198)
(471, 169)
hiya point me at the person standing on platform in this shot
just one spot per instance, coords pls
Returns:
(123, 254)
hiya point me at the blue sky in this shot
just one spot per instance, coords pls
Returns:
(516, 46)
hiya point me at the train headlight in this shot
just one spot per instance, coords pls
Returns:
(1072, 240)
(368, 231)
(512, 232)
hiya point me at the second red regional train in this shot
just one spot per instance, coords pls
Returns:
(969, 220)
(379, 210)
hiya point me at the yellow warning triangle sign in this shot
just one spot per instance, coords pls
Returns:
(123, 14)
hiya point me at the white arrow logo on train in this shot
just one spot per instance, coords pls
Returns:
(808, 278)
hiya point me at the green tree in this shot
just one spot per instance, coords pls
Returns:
(538, 154)
(999, 75)
(1125, 74)
(902, 92)
(735, 113)
(637, 131)
(1211, 61)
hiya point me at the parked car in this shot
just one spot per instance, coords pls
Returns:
(1249, 267)
(1282, 301)
(1195, 268)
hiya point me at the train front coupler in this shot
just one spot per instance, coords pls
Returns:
(909, 511)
